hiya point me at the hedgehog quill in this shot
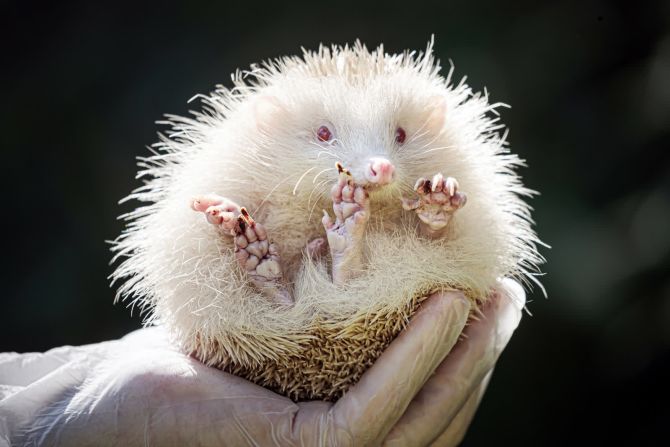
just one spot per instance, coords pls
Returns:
(292, 227)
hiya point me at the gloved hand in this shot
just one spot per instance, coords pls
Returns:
(140, 390)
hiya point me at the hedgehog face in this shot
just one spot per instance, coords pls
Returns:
(384, 131)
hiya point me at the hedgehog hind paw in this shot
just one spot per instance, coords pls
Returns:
(345, 234)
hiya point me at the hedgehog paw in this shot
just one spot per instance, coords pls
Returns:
(350, 204)
(438, 200)
(259, 258)
(219, 211)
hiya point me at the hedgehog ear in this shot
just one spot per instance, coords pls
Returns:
(267, 110)
(438, 113)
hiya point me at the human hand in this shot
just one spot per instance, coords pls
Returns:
(142, 390)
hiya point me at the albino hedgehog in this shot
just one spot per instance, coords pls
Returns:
(300, 300)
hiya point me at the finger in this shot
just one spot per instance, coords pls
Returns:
(458, 200)
(201, 203)
(438, 182)
(455, 432)
(24, 369)
(336, 191)
(213, 215)
(410, 204)
(422, 186)
(457, 377)
(337, 209)
(348, 193)
(371, 408)
(361, 196)
(451, 185)
(326, 220)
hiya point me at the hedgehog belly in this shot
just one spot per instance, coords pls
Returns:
(332, 359)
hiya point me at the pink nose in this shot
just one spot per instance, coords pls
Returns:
(379, 171)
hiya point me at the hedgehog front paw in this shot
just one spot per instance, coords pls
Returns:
(259, 258)
(350, 204)
(219, 211)
(438, 200)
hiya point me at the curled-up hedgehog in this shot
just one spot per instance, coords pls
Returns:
(294, 225)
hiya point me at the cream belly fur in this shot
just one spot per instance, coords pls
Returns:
(420, 191)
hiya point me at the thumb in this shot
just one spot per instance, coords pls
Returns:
(371, 408)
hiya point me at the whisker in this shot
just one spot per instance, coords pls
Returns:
(327, 153)
(440, 148)
(323, 150)
(429, 142)
(269, 194)
(311, 211)
(295, 188)
(317, 175)
(417, 135)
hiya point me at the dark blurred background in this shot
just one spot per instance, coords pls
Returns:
(589, 82)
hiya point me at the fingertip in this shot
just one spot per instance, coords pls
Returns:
(447, 301)
(326, 220)
(510, 302)
(509, 318)
(501, 316)
(198, 204)
(514, 291)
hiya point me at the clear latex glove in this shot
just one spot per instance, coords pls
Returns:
(140, 390)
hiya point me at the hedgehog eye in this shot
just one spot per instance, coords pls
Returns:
(400, 135)
(324, 134)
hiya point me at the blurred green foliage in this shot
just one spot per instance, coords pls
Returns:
(589, 83)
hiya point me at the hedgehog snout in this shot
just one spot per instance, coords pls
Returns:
(379, 171)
